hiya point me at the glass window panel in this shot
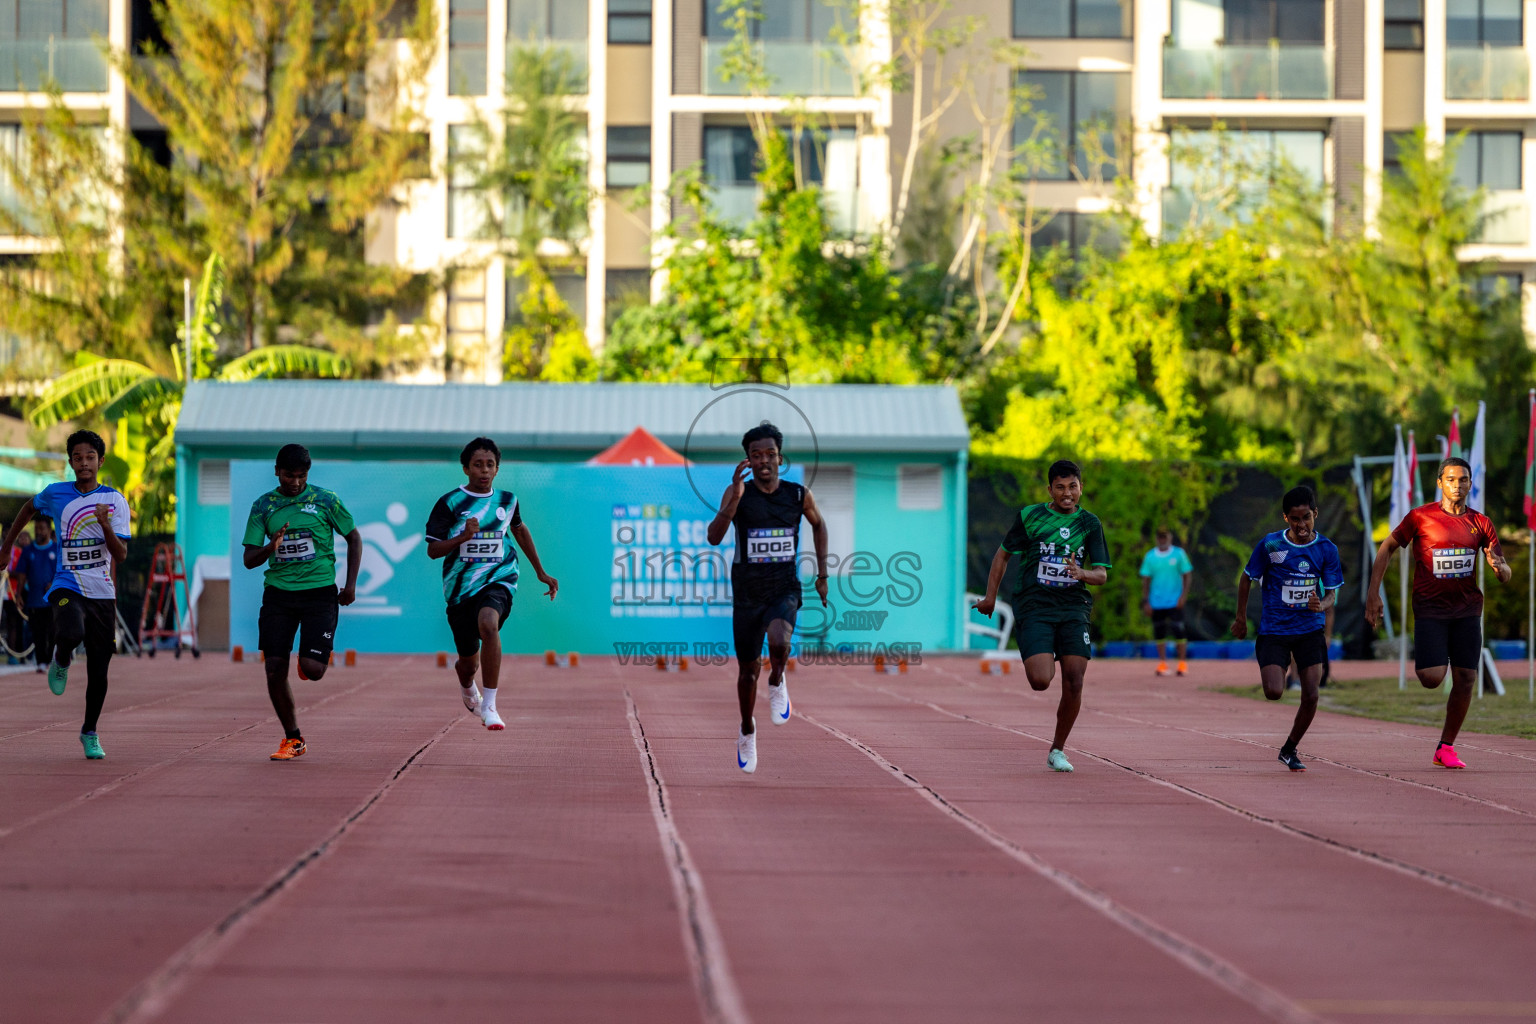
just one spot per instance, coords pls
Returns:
(827, 15)
(729, 154)
(572, 289)
(1501, 22)
(714, 21)
(1404, 10)
(628, 173)
(1249, 22)
(1462, 21)
(786, 19)
(568, 20)
(7, 19)
(1500, 159)
(1403, 35)
(1302, 151)
(630, 142)
(1049, 120)
(39, 18)
(528, 19)
(629, 21)
(1299, 21)
(1042, 19)
(1102, 101)
(1054, 232)
(1103, 19)
(629, 7)
(85, 18)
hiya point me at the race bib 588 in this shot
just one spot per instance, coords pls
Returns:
(1052, 572)
(485, 546)
(770, 544)
(1453, 563)
(83, 553)
(297, 546)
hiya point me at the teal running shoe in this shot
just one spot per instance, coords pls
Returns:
(1058, 762)
(58, 675)
(92, 746)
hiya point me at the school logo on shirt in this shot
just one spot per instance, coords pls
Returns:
(1066, 533)
(1303, 566)
(309, 507)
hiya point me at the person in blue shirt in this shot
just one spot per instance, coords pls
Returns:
(91, 520)
(34, 571)
(1299, 575)
(1165, 575)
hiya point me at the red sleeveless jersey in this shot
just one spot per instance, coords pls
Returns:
(1445, 550)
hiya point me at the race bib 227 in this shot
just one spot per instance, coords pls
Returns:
(485, 546)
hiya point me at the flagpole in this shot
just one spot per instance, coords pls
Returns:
(1530, 554)
(1402, 623)
(1482, 630)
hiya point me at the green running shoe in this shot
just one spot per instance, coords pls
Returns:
(92, 746)
(58, 675)
(1058, 762)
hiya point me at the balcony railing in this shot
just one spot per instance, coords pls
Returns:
(1506, 219)
(737, 205)
(29, 65)
(1487, 73)
(1272, 72)
(794, 67)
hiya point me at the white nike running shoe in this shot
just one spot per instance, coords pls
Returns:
(492, 720)
(778, 702)
(746, 750)
(471, 698)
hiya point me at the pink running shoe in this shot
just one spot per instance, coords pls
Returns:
(1445, 757)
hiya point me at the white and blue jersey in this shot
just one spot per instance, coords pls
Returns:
(85, 564)
(1288, 575)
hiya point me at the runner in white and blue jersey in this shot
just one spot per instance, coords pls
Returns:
(472, 529)
(1299, 574)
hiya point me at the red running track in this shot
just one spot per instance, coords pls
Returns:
(902, 854)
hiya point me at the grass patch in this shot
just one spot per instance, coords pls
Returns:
(1510, 715)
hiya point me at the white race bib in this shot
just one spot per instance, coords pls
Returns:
(1453, 563)
(770, 544)
(485, 546)
(1052, 572)
(84, 553)
(1297, 593)
(296, 546)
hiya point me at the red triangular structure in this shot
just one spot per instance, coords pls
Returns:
(639, 448)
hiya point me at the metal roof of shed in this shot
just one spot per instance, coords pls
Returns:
(385, 418)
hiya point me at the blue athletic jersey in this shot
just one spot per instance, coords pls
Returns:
(1288, 575)
(86, 565)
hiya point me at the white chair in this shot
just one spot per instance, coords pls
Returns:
(1004, 611)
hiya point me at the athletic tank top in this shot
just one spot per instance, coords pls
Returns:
(767, 542)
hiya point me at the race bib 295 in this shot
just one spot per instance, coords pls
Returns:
(1453, 563)
(297, 546)
(770, 544)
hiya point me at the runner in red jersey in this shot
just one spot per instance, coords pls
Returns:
(1444, 538)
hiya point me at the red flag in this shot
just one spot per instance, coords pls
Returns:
(1453, 445)
(1417, 493)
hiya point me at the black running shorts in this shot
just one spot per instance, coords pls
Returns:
(750, 619)
(1436, 641)
(88, 620)
(1168, 622)
(464, 617)
(1278, 648)
(309, 613)
(1067, 637)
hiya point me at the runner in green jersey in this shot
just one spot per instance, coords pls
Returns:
(471, 530)
(1063, 554)
(300, 595)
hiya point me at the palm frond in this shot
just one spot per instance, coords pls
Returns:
(143, 396)
(85, 388)
(285, 361)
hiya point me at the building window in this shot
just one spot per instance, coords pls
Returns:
(1489, 160)
(1202, 162)
(1489, 22)
(466, 47)
(1392, 146)
(1072, 19)
(1498, 287)
(1258, 22)
(629, 155)
(625, 287)
(1068, 110)
(557, 24)
(629, 21)
(466, 203)
(802, 20)
(827, 158)
(570, 285)
(1077, 232)
(46, 42)
(1403, 26)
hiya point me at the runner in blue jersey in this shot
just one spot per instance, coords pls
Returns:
(91, 520)
(1299, 575)
(472, 529)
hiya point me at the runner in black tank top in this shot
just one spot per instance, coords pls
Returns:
(765, 580)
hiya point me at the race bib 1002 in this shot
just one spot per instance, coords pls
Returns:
(1052, 572)
(84, 553)
(770, 544)
(485, 546)
(296, 546)
(1297, 593)
(1452, 563)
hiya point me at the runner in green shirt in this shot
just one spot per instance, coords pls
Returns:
(301, 595)
(1063, 554)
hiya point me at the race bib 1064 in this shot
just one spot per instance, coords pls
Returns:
(1453, 563)
(485, 546)
(1052, 572)
(297, 546)
(84, 553)
(1297, 593)
(770, 544)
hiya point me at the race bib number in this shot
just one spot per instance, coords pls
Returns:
(85, 553)
(1297, 593)
(485, 546)
(770, 544)
(297, 546)
(1453, 563)
(1052, 572)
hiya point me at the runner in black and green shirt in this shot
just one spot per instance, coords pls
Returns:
(300, 595)
(472, 529)
(1064, 554)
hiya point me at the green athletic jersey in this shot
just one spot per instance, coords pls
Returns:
(1044, 538)
(307, 556)
(488, 557)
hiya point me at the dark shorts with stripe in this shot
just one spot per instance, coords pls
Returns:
(464, 617)
(309, 613)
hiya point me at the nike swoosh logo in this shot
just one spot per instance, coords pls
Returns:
(739, 762)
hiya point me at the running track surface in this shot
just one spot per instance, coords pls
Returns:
(902, 854)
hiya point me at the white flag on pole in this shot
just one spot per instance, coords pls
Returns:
(1402, 484)
(1478, 457)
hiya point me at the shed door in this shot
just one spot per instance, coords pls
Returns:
(833, 490)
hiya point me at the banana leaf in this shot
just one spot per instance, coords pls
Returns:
(284, 361)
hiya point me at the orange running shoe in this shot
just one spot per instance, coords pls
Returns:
(1183, 667)
(1445, 757)
(1162, 668)
(289, 750)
